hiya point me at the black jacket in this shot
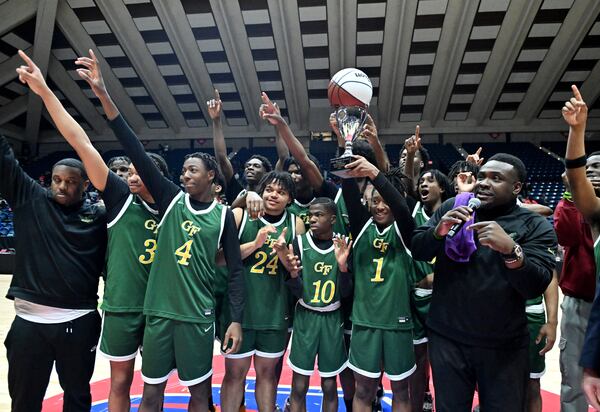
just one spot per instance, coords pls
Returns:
(482, 302)
(60, 250)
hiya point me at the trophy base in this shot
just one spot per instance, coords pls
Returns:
(338, 166)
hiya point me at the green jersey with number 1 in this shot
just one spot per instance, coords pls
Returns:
(382, 270)
(130, 253)
(182, 279)
(266, 292)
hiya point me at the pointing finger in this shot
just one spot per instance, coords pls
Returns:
(576, 92)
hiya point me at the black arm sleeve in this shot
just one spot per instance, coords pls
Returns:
(231, 249)
(424, 246)
(233, 189)
(346, 283)
(162, 189)
(295, 284)
(15, 185)
(358, 214)
(327, 189)
(398, 206)
(115, 195)
(532, 279)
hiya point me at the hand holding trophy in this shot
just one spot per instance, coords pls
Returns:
(350, 92)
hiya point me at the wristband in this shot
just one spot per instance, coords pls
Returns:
(436, 236)
(575, 163)
(567, 196)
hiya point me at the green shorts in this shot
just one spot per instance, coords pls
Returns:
(420, 301)
(122, 335)
(537, 362)
(318, 335)
(372, 350)
(174, 345)
(263, 343)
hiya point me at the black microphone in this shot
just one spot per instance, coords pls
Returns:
(474, 203)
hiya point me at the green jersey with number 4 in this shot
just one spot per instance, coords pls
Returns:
(319, 274)
(382, 270)
(266, 293)
(182, 279)
(130, 253)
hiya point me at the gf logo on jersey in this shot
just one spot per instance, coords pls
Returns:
(321, 267)
(150, 224)
(190, 228)
(380, 245)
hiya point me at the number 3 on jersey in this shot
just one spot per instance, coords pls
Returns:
(183, 252)
(150, 245)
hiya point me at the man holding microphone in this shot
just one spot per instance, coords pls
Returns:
(500, 256)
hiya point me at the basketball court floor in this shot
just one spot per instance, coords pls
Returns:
(176, 397)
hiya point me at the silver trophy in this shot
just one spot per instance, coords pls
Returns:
(350, 121)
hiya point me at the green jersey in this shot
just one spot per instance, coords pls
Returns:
(130, 252)
(266, 292)
(182, 279)
(382, 270)
(319, 275)
(301, 210)
(342, 223)
(422, 269)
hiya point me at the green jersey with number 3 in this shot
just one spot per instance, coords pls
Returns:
(182, 279)
(319, 274)
(382, 270)
(266, 293)
(130, 253)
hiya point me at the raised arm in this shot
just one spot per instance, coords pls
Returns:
(161, 188)
(370, 133)
(310, 171)
(394, 199)
(215, 107)
(67, 126)
(575, 114)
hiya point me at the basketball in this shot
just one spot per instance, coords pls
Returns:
(350, 87)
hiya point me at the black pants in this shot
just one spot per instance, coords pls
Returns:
(32, 348)
(500, 376)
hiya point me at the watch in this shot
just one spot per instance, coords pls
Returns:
(515, 255)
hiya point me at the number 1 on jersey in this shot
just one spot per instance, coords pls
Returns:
(379, 263)
(183, 251)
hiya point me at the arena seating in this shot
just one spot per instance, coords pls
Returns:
(545, 184)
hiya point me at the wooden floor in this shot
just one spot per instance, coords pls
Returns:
(550, 381)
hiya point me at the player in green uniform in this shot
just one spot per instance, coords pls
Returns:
(583, 175)
(132, 222)
(180, 296)
(265, 316)
(319, 277)
(542, 335)
(433, 188)
(382, 267)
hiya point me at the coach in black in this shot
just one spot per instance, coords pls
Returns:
(478, 328)
(61, 245)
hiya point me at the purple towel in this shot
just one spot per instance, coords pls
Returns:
(462, 245)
